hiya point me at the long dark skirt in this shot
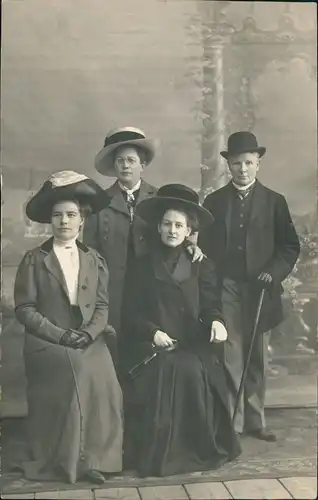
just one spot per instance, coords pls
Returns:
(184, 423)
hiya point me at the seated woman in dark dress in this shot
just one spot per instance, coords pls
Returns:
(184, 423)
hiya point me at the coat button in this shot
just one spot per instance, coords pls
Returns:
(84, 287)
(87, 305)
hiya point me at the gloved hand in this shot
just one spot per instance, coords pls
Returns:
(75, 339)
(161, 339)
(218, 332)
(83, 341)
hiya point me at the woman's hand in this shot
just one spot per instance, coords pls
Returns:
(196, 252)
(161, 339)
(75, 339)
(218, 332)
(83, 341)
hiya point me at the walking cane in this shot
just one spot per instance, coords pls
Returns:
(242, 383)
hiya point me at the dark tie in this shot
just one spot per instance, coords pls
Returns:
(244, 193)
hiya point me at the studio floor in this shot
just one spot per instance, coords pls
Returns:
(285, 469)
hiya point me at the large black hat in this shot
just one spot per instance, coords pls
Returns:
(126, 136)
(242, 142)
(64, 185)
(166, 198)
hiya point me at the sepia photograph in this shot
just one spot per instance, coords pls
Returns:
(159, 250)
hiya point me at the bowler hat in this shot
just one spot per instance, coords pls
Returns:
(126, 136)
(65, 185)
(166, 198)
(242, 142)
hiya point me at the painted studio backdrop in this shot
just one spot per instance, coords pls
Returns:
(189, 73)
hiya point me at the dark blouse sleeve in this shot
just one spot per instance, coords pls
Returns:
(210, 294)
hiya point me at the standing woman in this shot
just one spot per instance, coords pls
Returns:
(74, 399)
(181, 395)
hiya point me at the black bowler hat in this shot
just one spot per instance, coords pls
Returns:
(242, 142)
(126, 136)
(166, 198)
(65, 185)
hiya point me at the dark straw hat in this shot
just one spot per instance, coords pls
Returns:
(166, 198)
(242, 142)
(126, 136)
(65, 185)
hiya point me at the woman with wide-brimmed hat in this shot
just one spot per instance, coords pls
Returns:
(184, 423)
(74, 399)
(118, 232)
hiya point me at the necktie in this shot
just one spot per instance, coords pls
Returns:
(244, 193)
(130, 204)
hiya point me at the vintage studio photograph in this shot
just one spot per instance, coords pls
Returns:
(159, 250)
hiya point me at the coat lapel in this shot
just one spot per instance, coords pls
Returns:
(258, 202)
(181, 273)
(259, 210)
(86, 270)
(160, 269)
(87, 278)
(52, 264)
(226, 206)
(117, 200)
(146, 191)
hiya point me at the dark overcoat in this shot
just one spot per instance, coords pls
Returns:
(108, 232)
(272, 244)
(183, 305)
(181, 393)
(74, 397)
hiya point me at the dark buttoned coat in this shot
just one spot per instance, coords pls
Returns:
(272, 244)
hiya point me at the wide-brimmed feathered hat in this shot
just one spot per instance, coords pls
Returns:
(65, 185)
(242, 142)
(169, 196)
(126, 136)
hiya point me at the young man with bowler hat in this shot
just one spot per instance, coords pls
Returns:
(254, 245)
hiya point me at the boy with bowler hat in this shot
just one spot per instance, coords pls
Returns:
(254, 245)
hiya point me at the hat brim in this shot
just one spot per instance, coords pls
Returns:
(104, 161)
(261, 150)
(39, 208)
(150, 209)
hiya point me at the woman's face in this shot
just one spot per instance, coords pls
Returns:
(66, 220)
(174, 228)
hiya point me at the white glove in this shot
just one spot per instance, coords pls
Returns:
(161, 339)
(218, 332)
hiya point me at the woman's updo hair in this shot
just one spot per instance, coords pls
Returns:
(140, 152)
(191, 214)
(85, 208)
